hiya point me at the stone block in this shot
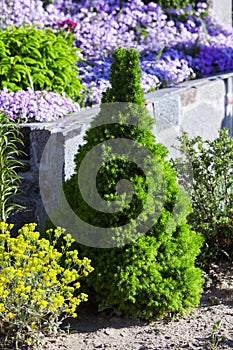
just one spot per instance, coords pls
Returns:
(168, 137)
(211, 91)
(38, 139)
(188, 97)
(167, 111)
(202, 119)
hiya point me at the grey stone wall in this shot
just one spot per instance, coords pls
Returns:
(200, 107)
(63, 138)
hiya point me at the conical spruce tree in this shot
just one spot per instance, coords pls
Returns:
(144, 258)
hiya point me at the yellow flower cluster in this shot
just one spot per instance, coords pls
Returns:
(34, 286)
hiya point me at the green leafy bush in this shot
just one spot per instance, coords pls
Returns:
(210, 187)
(37, 284)
(176, 4)
(10, 139)
(154, 274)
(39, 59)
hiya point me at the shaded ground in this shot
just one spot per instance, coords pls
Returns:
(104, 331)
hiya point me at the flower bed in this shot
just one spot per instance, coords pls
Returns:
(174, 46)
(36, 106)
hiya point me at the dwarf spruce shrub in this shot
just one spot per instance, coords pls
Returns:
(145, 274)
(210, 186)
(38, 59)
(39, 286)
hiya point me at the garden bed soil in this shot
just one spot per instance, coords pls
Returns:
(92, 330)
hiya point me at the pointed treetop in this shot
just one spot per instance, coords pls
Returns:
(125, 78)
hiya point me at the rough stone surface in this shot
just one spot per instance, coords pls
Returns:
(188, 97)
(167, 110)
(204, 117)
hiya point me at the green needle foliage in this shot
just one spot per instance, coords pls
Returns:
(10, 139)
(154, 274)
(38, 59)
(125, 79)
(211, 190)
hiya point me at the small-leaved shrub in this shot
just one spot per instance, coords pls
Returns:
(208, 178)
(38, 59)
(153, 275)
(37, 284)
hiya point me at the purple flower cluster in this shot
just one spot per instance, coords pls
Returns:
(19, 12)
(36, 106)
(174, 46)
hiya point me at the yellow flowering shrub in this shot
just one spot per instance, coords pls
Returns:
(38, 283)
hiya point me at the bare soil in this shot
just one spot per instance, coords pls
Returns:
(92, 330)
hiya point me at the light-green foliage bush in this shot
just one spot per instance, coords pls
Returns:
(37, 284)
(39, 59)
(208, 170)
(154, 275)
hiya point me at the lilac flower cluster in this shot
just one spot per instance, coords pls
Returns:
(174, 46)
(19, 12)
(36, 106)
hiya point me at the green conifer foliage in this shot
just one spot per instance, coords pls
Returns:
(145, 273)
(125, 78)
